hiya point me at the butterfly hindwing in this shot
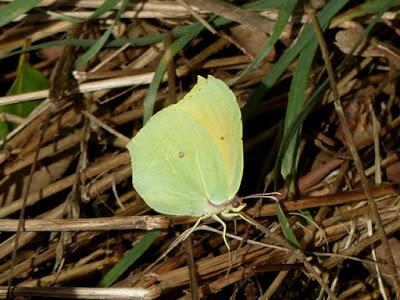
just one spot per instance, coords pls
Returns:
(176, 166)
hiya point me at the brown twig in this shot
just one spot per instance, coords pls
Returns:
(87, 224)
(24, 204)
(192, 269)
(171, 73)
(84, 293)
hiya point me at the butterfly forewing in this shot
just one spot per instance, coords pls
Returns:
(175, 165)
(215, 106)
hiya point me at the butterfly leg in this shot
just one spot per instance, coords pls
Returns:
(244, 217)
(219, 220)
(231, 215)
(194, 227)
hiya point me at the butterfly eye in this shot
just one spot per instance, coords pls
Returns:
(235, 203)
(221, 138)
(181, 154)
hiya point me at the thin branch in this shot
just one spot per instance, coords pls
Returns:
(85, 293)
(87, 224)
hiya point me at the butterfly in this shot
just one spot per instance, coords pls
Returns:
(188, 158)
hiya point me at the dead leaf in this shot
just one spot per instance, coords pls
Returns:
(51, 53)
(251, 40)
(359, 118)
(393, 172)
(380, 256)
(346, 39)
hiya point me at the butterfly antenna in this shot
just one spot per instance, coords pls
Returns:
(273, 196)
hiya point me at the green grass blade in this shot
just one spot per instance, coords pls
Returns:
(28, 79)
(14, 9)
(137, 42)
(105, 7)
(285, 11)
(61, 17)
(142, 41)
(264, 4)
(173, 49)
(95, 48)
(366, 8)
(130, 257)
(325, 15)
(286, 229)
(101, 10)
(295, 105)
(376, 6)
(92, 51)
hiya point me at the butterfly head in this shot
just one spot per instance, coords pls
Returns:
(233, 205)
(237, 204)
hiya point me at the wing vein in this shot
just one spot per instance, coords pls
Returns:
(199, 167)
